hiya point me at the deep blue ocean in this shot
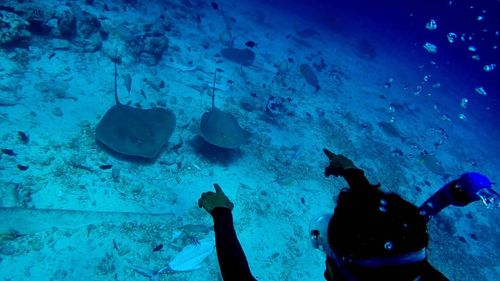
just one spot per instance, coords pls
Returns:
(403, 21)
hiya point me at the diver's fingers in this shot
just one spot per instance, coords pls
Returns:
(205, 194)
(328, 153)
(218, 189)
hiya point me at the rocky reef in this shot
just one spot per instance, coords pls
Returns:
(13, 30)
(22, 22)
(84, 28)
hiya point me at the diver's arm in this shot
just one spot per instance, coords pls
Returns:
(232, 261)
(356, 179)
(429, 273)
(342, 166)
(468, 188)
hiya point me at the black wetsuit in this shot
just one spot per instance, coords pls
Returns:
(363, 191)
(232, 261)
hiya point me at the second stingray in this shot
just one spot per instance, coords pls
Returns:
(220, 128)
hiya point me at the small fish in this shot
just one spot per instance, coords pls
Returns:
(127, 80)
(215, 6)
(250, 44)
(157, 248)
(22, 167)
(115, 245)
(143, 94)
(9, 152)
(52, 55)
(106, 167)
(23, 137)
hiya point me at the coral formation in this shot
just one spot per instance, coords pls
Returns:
(13, 30)
(66, 23)
(148, 46)
(88, 25)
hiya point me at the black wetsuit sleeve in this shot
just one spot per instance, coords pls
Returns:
(429, 273)
(356, 180)
(232, 261)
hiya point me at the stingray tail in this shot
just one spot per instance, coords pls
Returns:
(116, 88)
(213, 90)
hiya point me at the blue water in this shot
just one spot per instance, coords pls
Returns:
(72, 209)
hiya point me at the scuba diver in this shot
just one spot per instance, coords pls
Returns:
(371, 235)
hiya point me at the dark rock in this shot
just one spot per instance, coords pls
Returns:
(149, 45)
(89, 25)
(151, 49)
(275, 106)
(38, 27)
(155, 46)
(13, 30)
(66, 24)
(104, 35)
(8, 249)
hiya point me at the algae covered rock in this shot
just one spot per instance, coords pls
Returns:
(13, 30)
(149, 44)
(66, 24)
(89, 24)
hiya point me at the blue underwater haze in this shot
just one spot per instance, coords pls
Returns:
(408, 90)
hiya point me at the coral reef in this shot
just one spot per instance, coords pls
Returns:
(149, 45)
(89, 24)
(66, 24)
(13, 30)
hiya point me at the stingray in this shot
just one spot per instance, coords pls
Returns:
(220, 128)
(133, 131)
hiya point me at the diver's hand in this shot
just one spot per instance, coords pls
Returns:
(338, 164)
(211, 200)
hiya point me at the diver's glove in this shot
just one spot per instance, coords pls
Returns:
(338, 164)
(211, 200)
(468, 188)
